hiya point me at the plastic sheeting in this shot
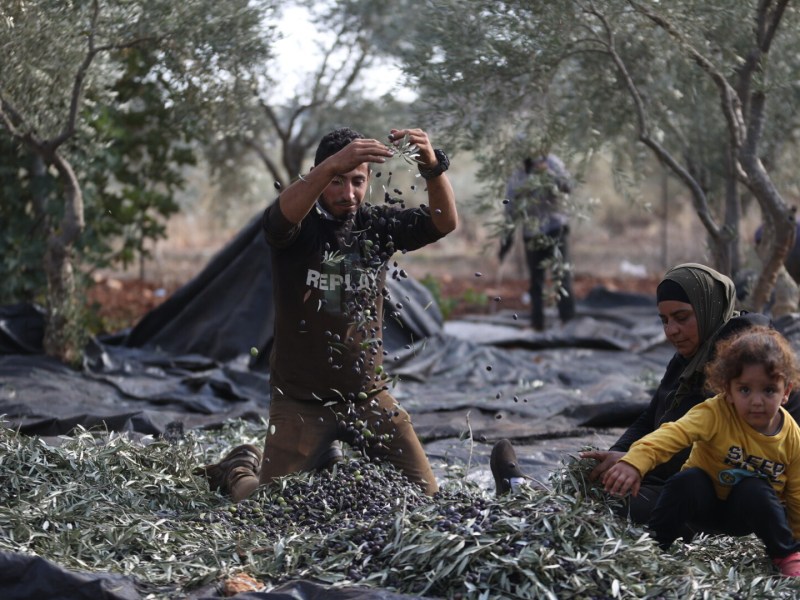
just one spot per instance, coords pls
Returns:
(29, 577)
(577, 372)
(24, 576)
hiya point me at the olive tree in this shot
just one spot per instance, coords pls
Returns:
(58, 65)
(707, 87)
(282, 131)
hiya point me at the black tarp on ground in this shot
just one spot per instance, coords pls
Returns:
(589, 369)
(28, 577)
(21, 329)
(24, 577)
(188, 361)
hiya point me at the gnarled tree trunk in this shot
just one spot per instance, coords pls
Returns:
(64, 336)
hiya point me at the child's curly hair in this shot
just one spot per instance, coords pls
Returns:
(755, 346)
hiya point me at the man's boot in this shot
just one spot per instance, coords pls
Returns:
(503, 463)
(242, 461)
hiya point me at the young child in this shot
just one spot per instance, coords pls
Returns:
(743, 473)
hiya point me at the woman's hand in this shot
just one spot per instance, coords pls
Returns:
(606, 459)
(621, 479)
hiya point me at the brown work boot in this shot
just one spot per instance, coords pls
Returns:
(330, 457)
(242, 461)
(503, 463)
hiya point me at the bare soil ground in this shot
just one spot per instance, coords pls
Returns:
(478, 295)
(121, 302)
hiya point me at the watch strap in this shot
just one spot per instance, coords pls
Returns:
(442, 164)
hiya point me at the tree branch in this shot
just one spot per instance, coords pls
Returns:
(268, 162)
(699, 197)
(9, 116)
(731, 104)
(80, 76)
(273, 119)
(768, 28)
(77, 84)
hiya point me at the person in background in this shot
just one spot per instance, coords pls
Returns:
(534, 198)
(743, 473)
(330, 252)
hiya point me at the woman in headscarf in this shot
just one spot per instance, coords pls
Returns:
(694, 302)
(696, 307)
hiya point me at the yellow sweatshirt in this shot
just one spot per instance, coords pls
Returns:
(727, 448)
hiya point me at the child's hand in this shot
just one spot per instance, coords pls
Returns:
(605, 460)
(621, 479)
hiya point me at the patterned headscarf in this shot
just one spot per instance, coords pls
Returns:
(713, 298)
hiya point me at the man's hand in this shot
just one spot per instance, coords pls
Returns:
(621, 479)
(606, 459)
(420, 139)
(441, 199)
(356, 153)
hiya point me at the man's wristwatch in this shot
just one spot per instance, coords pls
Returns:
(440, 167)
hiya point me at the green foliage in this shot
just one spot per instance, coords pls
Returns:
(117, 91)
(131, 185)
(474, 298)
(22, 242)
(469, 299)
(128, 187)
(198, 45)
(446, 305)
(505, 77)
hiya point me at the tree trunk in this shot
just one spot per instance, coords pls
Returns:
(720, 248)
(778, 240)
(778, 234)
(65, 334)
(787, 294)
(733, 216)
